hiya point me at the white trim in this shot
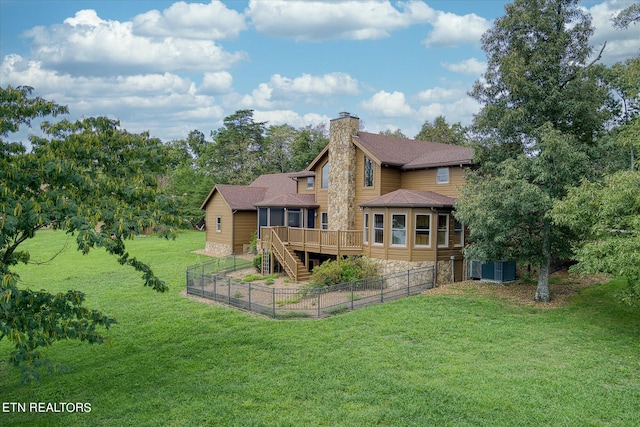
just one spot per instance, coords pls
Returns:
(461, 244)
(415, 229)
(374, 228)
(440, 176)
(446, 235)
(365, 227)
(399, 245)
(218, 224)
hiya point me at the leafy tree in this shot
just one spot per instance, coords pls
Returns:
(607, 217)
(441, 131)
(542, 112)
(309, 142)
(89, 178)
(628, 16)
(396, 133)
(238, 149)
(277, 156)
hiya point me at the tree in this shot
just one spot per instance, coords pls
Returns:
(395, 133)
(88, 178)
(628, 16)
(607, 217)
(309, 142)
(277, 156)
(440, 131)
(542, 112)
(238, 149)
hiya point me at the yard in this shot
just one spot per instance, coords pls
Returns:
(458, 355)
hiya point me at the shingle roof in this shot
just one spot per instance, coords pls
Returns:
(412, 154)
(410, 199)
(290, 201)
(245, 197)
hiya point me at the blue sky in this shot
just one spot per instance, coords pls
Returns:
(170, 67)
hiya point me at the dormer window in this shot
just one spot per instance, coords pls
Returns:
(368, 172)
(442, 176)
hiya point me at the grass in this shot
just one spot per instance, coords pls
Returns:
(463, 360)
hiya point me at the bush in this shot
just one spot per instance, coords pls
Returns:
(257, 263)
(343, 270)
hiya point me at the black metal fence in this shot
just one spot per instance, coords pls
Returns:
(308, 301)
(216, 265)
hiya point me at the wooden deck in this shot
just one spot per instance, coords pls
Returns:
(331, 242)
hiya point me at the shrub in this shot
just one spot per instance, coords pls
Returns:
(257, 263)
(343, 270)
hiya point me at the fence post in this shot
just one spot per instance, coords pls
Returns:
(352, 282)
(202, 285)
(319, 293)
(229, 290)
(249, 296)
(381, 288)
(408, 282)
(273, 301)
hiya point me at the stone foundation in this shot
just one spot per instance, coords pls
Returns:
(444, 272)
(218, 249)
(388, 266)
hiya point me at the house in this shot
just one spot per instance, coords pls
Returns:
(388, 198)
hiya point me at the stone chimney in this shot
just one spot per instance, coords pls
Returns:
(342, 178)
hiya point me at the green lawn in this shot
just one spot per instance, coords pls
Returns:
(425, 360)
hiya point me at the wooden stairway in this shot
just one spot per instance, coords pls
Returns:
(292, 265)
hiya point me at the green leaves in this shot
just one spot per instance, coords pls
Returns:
(89, 178)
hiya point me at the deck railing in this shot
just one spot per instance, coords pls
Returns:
(318, 240)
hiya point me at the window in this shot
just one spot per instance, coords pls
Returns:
(458, 233)
(326, 170)
(294, 218)
(365, 237)
(310, 182)
(399, 229)
(443, 230)
(443, 176)
(368, 172)
(324, 220)
(218, 224)
(378, 228)
(423, 230)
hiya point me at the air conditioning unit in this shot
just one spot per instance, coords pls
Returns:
(494, 271)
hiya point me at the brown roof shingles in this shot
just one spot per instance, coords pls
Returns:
(410, 199)
(413, 154)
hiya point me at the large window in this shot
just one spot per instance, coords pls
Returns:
(294, 218)
(324, 220)
(458, 233)
(399, 229)
(326, 170)
(443, 230)
(378, 228)
(443, 176)
(365, 237)
(423, 230)
(368, 172)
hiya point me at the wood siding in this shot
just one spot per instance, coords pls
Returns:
(245, 223)
(425, 180)
(217, 207)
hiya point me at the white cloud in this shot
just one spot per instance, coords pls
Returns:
(439, 94)
(213, 21)
(461, 110)
(388, 104)
(621, 44)
(86, 44)
(469, 66)
(219, 82)
(317, 20)
(307, 84)
(451, 30)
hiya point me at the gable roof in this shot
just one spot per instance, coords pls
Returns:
(406, 153)
(245, 197)
(411, 199)
(410, 153)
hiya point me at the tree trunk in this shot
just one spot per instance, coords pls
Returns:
(542, 292)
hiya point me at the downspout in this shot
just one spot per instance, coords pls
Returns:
(233, 230)
(435, 250)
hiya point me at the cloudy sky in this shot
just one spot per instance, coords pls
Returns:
(171, 67)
